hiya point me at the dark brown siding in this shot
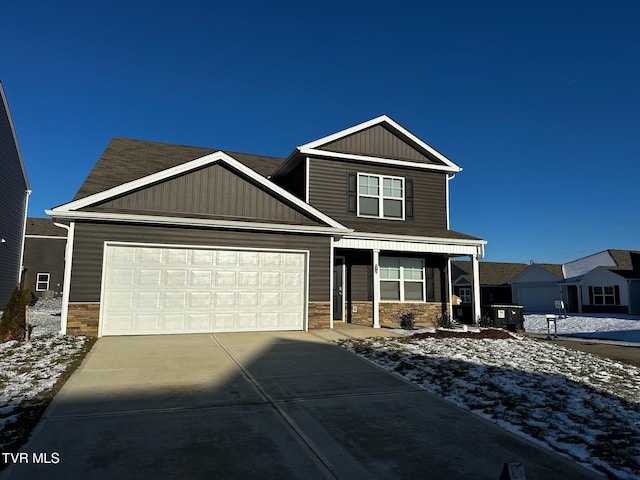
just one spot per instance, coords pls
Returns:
(86, 276)
(211, 192)
(378, 141)
(44, 255)
(328, 193)
(13, 187)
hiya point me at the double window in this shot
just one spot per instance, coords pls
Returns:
(42, 282)
(605, 295)
(402, 279)
(381, 196)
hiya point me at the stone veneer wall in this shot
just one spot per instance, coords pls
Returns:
(425, 313)
(319, 315)
(82, 319)
(363, 315)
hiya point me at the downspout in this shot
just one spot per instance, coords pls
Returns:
(66, 281)
(24, 233)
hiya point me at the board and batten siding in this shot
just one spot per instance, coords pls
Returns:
(13, 198)
(88, 248)
(328, 191)
(213, 191)
(378, 141)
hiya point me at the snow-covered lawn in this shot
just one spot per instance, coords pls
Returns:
(575, 403)
(29, 371)
(625, 328)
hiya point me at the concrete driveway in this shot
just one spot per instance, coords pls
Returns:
(261, 405)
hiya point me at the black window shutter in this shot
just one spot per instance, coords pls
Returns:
(431, 291)
(616, 290)
(352, 192)
(590, 295)
(408, 198)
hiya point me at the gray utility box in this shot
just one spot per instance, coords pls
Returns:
(510, 317)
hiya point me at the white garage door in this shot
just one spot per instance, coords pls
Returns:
(540, 299)
(156, 290)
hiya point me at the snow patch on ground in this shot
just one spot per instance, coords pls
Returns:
(575, 403)
(624, 328)
(29, 370)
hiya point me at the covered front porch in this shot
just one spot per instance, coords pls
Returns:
(374, 280)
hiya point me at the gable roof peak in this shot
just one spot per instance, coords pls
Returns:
(391, 144)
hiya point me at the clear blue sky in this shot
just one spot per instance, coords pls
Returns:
(539, 102)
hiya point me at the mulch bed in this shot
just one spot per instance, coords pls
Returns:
(492, 333)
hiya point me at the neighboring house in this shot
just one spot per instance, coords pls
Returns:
(494, 284)
(44, 248)
(537, 287)
(494, 281)
(14, 197)
(605, 282)
(174, 239)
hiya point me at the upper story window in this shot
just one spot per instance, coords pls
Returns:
(464, 294)
(381, 196)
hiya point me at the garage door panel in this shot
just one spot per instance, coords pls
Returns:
(179, 290)
(173, 322)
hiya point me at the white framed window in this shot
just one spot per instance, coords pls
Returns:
(42, 282)
(402, 279)
(605, 295)
(465, 294)
(381, 196)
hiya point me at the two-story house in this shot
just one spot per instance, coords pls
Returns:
(353, 227)
(14, 198)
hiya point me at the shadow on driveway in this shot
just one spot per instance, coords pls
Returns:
(261, 405)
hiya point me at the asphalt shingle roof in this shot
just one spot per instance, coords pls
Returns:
(125, 160)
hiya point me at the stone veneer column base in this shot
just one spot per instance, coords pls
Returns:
(82, 319)
(363, 314)
(319, 315)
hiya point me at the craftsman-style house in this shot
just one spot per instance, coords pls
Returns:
(353, 227)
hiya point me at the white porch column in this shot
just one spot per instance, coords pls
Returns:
(475, 289)
(376, 289)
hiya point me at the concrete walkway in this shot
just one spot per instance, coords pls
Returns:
(261, 405)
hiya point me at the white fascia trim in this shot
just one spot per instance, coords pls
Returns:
(384, 161)
(306, 179)
(197, 222)
(210, 159)
(50, 237)
(375, 121)
(405, 238)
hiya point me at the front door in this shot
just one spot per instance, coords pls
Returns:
(338, 289)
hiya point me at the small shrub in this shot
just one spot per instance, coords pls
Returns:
(486, 321)
(407, 320)
(12, 324)
(444, 321)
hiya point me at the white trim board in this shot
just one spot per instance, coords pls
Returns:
(210, 159)
(382, 119)
(197, 222)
